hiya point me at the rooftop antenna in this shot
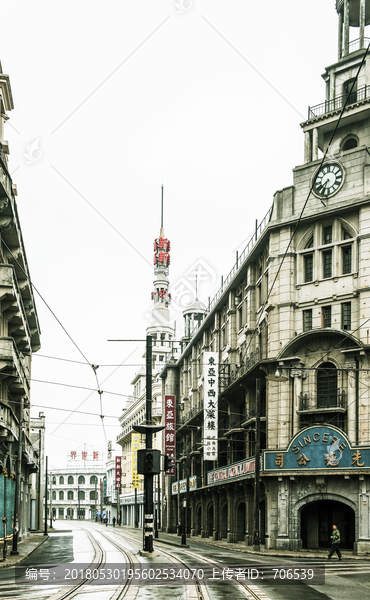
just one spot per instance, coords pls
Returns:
(162, 232)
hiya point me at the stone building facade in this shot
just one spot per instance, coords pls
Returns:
(19, 338)
(294, 313)
(75, 493)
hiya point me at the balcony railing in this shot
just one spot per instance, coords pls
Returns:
(338, 103)
(239, 370)
(312, 402)
(192, 413)
(241, 258)
(356, 45)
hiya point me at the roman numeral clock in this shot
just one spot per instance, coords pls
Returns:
(328, 180)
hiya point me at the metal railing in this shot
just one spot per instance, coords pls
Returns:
(338, 103)
(241, 258)
(192, 413)
(241, 369)
(356, 45)
(311, 400)
(247, 250)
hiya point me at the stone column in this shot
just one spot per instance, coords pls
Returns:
(307, 147)
(231, 534)
(282, 542)
(351, 401)
(297, 375)
(362, 23)
(216, 518)
(346, 28)
(340, 35)
(315, 144)
(362, 546)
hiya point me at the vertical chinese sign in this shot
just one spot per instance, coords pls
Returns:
(135, 441)
(118, 473)
(210, 432)
(170, 430)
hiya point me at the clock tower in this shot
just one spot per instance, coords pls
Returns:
(347, 87)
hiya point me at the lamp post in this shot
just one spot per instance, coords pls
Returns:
(46, 497)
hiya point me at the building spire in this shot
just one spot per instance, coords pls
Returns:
(161, 234)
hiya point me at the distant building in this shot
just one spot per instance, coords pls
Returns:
(75, 494)
(19, 338)
(79, 491)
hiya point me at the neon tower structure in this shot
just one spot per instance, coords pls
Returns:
(161, 330)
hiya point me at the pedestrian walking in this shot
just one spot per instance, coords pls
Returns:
(106, 521)
(114, 521)
(335, 543)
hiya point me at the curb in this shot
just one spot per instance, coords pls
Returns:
(15, 561)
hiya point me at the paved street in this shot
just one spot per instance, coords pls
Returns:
(74, 546)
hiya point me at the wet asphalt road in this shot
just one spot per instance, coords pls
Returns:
(348, 580)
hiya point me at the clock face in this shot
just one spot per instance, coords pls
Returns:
(328, 180)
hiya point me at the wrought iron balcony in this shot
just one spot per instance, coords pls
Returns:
(311, 402)
(229, 376)
(337, 103)
(193, 412)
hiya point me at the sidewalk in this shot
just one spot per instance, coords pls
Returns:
(173, 538)
(25, 547)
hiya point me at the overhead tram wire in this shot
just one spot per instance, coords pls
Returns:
(310, 191)
(94, 367)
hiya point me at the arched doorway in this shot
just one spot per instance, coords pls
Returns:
(317, 520)
(223, 523)
(210, 520)
(240, 522)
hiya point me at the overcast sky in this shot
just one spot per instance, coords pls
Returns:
(112, 100)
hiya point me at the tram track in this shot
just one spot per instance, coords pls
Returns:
(122, 590)
(251, 592)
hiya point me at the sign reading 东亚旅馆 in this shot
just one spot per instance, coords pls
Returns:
(317, 448)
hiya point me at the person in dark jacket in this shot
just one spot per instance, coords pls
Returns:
(114, 521)
(335, 543)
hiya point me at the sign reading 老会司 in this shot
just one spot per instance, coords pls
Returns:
(318, 448)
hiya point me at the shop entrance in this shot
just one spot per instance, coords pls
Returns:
(317, 520)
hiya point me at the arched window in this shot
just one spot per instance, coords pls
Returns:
(54, 495)
(61, 480)
(93, 479)
(327, 386)
(54, 481)
(61, 495)
(81, 495)
(349, 144)
(70, 480)
(92, 495)
(81, 480)
(70, 495)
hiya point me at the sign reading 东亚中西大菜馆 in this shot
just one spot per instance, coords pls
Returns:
(318, 448)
